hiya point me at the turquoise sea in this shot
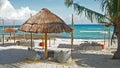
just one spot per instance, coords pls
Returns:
(81, 31)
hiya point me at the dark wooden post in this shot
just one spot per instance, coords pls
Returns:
(72, 33)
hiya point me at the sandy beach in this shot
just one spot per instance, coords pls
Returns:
(13, 56)
(59, 34)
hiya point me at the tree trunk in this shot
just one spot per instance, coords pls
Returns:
(117, 32)
(117, 53)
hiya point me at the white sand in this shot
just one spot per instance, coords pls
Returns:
(11, 56)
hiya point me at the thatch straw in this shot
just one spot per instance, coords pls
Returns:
(9, 30)
(45, 22)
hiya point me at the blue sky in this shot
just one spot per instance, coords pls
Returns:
(38, 4)
(20, 9)
(52, 4)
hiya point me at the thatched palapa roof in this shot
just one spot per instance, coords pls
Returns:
(9, 30)
(45, 22)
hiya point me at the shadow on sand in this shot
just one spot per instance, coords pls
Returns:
(10, 56)
(67, 46)
(7, 44)
(95, 60)
(92, 60)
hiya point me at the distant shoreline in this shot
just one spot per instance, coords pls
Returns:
(81, 31)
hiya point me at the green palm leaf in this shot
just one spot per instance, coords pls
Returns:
(90, 14)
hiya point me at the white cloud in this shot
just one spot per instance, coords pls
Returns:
(7, 11)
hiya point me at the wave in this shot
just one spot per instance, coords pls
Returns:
(102, 32)
(93, 31)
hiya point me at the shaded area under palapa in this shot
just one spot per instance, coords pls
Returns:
(10, 30)
(35, 36)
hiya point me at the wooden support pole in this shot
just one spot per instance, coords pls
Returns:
(3, 32)
(49, 43)
(31, 40)
(14, 38)
(72, 33)
(104, 34)
(54, 40)
(46, 51)
(108, 36)
(14, 32)
(10, 36)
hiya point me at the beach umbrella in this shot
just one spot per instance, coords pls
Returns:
(10, 30)
(45, 22)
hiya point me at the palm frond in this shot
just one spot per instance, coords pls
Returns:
(68, 3)
(111, 9)
(90, 14)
